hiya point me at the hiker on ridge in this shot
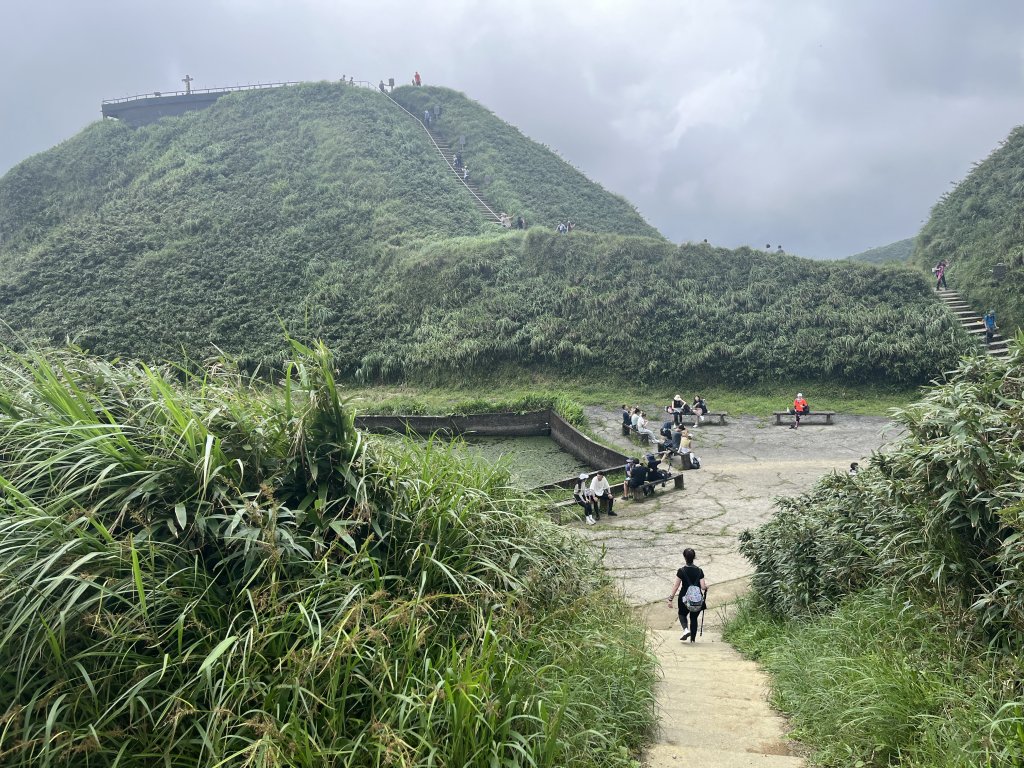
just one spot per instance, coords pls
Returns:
(416, 79)
(692, 590)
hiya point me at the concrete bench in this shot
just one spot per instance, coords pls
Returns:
(803, 417)
(711, 417)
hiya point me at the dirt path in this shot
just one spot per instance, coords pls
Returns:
(714, 710)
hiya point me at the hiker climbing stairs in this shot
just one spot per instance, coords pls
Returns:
(713, 708)
(972, 323)
(442, 147)
(449, 156)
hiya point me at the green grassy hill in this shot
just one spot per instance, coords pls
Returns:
(324, 211)
(898, 252)
(525, 178)
(979, 224)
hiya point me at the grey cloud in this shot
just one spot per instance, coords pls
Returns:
(827, 127)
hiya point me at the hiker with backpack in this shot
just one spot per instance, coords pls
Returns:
(692, 590)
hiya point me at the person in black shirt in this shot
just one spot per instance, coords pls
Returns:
(686, 577)
(638, 475)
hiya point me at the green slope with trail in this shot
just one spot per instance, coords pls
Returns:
(979, 224)
(324, 211)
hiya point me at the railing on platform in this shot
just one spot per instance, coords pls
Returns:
(225, 89)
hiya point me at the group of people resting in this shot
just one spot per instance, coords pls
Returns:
(598, 495)
(679, 408)
(675, 438)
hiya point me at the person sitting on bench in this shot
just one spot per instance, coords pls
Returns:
(601, 493)
(625, 483)
(654, 471)
(638, 476)
(700, 407)
(581, 495)
(626, 417)
(641, 426)
(679, 408)
(800, 408)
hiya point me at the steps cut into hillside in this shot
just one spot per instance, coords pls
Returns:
(973, 323)
(443, 149)
(713, 708)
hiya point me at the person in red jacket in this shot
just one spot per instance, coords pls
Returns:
(800, 407)
(416, 79)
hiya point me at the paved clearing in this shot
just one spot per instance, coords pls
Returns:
(708, 689)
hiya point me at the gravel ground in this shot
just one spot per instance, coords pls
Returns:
(745, 465)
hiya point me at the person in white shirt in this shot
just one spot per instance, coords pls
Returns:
(602, 494)
(641, 425)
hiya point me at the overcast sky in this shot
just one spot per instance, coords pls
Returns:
(827, 126)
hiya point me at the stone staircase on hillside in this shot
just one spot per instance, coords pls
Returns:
(972, 323)
(481, 204)
(486, 210)
(713, 709)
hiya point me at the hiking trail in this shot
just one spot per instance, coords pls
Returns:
(713, 703)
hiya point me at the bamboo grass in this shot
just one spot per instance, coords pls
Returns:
(203, 573)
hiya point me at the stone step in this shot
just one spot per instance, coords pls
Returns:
(693, 755)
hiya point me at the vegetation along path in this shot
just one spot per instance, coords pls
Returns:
(746, 464)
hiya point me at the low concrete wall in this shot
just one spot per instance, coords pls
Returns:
(575, 443)
(145, 111)
(549, 423)
(483, 424)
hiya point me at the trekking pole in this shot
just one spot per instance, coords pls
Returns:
(702, 609)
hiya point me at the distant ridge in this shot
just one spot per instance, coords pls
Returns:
(898, 252)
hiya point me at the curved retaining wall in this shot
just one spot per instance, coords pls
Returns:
(488, 424)
(549, 423)
(574, 442)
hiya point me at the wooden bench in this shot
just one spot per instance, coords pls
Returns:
(560, 512)
(633, 432)
(803, 417)
(677, 480)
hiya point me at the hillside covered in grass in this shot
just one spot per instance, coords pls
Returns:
(898, 252)
(323, 211)
(979, 224)
(204, 573)
(522, 177)
(890, 604)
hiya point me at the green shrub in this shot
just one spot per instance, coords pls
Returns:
(883, 681)
(205, 574)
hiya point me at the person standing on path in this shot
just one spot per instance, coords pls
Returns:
(940, 275)
(689, 579)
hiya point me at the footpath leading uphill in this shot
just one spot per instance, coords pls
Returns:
(443, 149)
(973, 324)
